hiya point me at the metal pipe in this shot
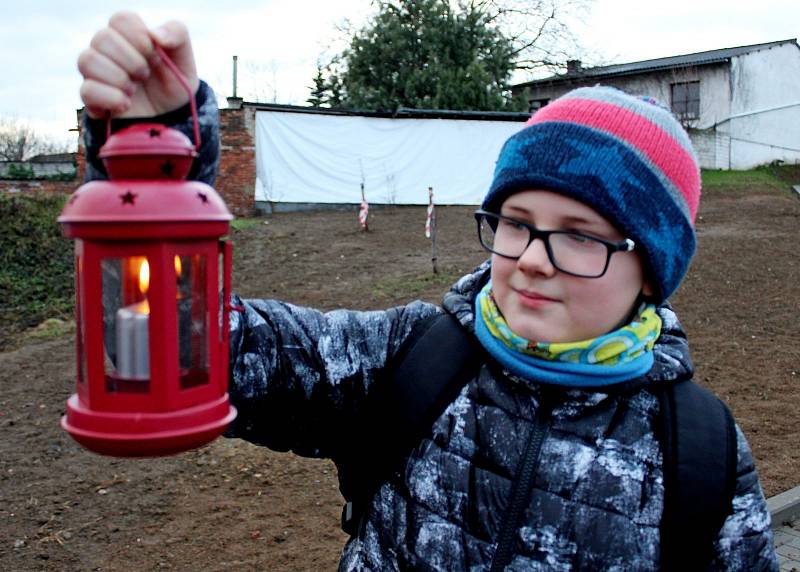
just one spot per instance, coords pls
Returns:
(235, 61)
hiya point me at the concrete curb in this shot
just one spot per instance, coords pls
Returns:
(785, 507)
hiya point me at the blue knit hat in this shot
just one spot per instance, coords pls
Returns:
(626, 157)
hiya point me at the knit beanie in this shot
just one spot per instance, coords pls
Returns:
(626, 157)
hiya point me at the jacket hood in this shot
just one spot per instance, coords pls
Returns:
(672, 359)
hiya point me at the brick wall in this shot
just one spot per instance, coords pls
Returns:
(236, 180)
(33, 186)
(237, 169)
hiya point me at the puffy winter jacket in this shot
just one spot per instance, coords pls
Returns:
(299, 375)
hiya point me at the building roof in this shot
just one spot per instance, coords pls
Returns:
(69, 157)
(682, 61)
(401, 113)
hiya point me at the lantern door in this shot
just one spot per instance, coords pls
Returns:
(149, 325)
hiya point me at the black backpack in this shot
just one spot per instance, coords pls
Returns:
(697, 433)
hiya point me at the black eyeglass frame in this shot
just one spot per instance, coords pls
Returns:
(626, 245)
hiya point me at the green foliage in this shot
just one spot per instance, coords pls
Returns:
(318, 91)
(64, 177)
(36, 262)
(427, 54)
(19, 172)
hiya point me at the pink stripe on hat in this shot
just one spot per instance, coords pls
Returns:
(661, 148)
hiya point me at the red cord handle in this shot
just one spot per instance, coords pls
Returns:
(184, 83)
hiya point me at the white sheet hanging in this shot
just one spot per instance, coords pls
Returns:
(311, 158)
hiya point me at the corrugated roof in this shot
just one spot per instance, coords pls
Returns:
(401, 113)
(69, 157)
(682, 61)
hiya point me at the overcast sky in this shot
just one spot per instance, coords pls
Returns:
(279, 41)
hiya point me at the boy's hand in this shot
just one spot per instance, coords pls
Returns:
(123, 74)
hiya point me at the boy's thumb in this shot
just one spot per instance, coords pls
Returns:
(171, 35)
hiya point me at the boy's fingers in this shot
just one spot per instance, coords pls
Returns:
(131, 26)
(100, 97)
(173, 36)
(96, 66)
(125, 49)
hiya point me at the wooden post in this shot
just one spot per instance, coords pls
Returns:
(363, 211)
(432, 216)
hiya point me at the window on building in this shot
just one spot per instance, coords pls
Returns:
(536, 104)
(686, 99)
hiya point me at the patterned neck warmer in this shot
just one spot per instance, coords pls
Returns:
(614, 357)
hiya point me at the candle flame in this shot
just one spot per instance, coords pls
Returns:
(178, 265)
(144, 276)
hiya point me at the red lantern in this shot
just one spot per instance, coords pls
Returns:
(152, 284)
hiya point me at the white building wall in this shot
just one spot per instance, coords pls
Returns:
(764, 124)
(705, 145)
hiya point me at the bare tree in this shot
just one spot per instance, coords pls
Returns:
(538, 29)
(19, 141)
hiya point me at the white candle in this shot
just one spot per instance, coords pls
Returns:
(133, 354)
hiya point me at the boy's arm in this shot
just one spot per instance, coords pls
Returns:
(745, 541)
(205, 164)
(299, 377)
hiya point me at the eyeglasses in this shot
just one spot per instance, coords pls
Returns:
(570, 252)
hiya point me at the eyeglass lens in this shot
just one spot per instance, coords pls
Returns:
(569, 252)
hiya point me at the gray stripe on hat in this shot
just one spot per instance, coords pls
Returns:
(654, 113)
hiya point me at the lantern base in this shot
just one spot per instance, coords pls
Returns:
(137, 434)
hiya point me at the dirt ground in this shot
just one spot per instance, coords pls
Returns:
(233, 506)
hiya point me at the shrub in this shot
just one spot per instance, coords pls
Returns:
(36, 263)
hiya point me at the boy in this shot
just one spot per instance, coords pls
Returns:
(547, 458)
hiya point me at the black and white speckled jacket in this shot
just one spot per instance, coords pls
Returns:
(298, 375)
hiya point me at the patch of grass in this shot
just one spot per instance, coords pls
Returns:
(410, 287)
(714, 180)
(244, 223)
(51, 328)
(789, 174)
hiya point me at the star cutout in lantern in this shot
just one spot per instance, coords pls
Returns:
(128, 198)
(155, 133)
(167, 168)
(203, 197)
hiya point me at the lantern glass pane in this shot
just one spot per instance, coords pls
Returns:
(126, 319)
(192, 319)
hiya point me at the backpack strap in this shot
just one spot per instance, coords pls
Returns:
(429, 370)
(700, 455)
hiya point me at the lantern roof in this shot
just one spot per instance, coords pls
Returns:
(148, 151)
(145, 209)
(147, 139)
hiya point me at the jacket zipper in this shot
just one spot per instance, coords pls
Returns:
(521, 489)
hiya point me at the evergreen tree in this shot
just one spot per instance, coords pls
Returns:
(450, 54)
(333, 90)
(318, 91)
(427, 54)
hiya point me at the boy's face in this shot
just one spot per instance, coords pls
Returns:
(541, 303)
